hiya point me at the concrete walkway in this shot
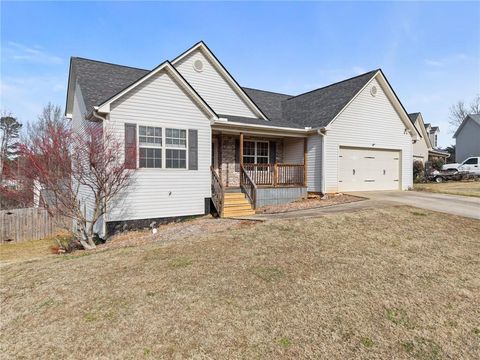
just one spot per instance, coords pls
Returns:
(450, 204)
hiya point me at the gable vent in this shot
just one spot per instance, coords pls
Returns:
(373, 91)
(198, 65)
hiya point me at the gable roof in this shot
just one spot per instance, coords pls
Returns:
(104, 107)
(100, 81)
(413, 116)
(223, 72)
(474, 117)
(317, 108)
(421, 127)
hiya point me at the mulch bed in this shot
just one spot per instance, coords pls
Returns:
(312, 202)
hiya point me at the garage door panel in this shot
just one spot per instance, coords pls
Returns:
(363, 169)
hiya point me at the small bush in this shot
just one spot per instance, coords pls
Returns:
(418, 171)
(65, 244)
(437, 164)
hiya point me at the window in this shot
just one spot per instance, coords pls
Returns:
(176, 138)
(471, 161)
(435, 141)
(255, 152)
(150, 135)
(150, 147)
(175, 153)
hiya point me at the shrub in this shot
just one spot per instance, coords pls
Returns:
(437, 164)
(418, 171)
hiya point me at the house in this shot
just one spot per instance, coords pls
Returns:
(426, 148)
(467, 138)
(196, 136)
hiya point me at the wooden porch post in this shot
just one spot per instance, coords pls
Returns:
(241, 157)
(305, 140)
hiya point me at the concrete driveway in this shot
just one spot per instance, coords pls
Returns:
(450, 204)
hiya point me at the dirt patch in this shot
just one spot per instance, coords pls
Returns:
(311, 203)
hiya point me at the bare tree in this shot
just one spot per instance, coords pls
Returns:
(459, 111)
(63, 164)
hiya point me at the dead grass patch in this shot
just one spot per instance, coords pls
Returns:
(374, 284)
(465, 188)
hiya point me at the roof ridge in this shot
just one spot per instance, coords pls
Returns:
(271, 92)
(109, 63)
(336, 83)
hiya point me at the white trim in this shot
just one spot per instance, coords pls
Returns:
(391, 96)
(105, 106)
(273, 128)
(206, 52)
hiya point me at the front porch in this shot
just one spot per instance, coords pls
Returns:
(267, 170)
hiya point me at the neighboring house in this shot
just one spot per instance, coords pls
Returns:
(467, 138)
(195, 134)
(426, 148)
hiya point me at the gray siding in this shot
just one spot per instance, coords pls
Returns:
(278, 196)
(468, 141)
(314, 163)
(293, 150)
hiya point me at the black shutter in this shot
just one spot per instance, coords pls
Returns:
(273, 152)
(237, 155)
(130, 146)
(192, 149)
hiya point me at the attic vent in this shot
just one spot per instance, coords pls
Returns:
(373, 90)
(198, 65)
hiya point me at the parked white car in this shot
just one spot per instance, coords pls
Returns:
(471, 165)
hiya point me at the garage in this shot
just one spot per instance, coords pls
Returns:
(362, 169)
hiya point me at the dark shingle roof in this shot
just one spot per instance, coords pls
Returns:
(269, 102)
(318, 107)
(413, 116)
(99, 81)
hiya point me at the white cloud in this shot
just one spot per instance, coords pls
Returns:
(21, 53)
(446, 61)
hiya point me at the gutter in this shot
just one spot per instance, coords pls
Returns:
(306, 130)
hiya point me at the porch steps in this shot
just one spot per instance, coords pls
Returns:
(236, 204)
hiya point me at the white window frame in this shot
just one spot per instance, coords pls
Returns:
(163, 147)
(175, 147)
(151, 146)
(255, 156)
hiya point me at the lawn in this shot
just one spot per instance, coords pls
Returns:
(466, 188)
(374, 284)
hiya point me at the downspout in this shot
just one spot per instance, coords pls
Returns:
(104, 224)
(324, 139)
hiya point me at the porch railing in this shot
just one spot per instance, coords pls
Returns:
(217, 191)
(248, 186)
(276, 174)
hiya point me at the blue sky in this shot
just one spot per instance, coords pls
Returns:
(430, 51)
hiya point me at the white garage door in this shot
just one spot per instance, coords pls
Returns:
(367, 169)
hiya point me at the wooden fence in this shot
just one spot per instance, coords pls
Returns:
(28, 224)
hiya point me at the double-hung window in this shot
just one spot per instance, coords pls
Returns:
(175, 148)
(150, 147)
(255, 152)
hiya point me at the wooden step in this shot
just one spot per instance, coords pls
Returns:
(238, 207)
(237, 213)
(235, 201)
(234, 196)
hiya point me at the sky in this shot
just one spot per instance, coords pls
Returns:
(429, 51)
